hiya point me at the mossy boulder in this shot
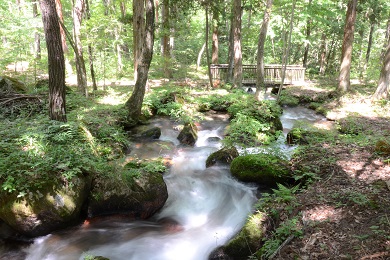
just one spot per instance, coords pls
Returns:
(189, 134)
(53, 207)
(297, 136)
(249, 239)
(138, 196)
(263, 169)
(148, 133)
(10, 85)
(382, 147)
(223, 156)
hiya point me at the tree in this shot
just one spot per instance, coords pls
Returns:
(138, 32)
(78, 12)
(383, 89)
(346, 54)
(165, 40)
(57, 109)
(134, 103)
(237, 70)
(260, 82)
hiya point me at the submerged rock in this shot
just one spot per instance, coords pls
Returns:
(139, 197)
(54, 207)
(189, 134)
(224, 156)
(264, 169)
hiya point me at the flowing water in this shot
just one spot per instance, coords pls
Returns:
(205, 207)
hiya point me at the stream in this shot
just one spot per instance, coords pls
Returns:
(205, 207)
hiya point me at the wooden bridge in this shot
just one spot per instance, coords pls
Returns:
(273, 73)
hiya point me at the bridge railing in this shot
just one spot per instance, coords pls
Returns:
(272, 72)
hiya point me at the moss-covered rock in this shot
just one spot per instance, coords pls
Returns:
(297, 136)
(54, 207)
(264, 169)
(189, 134)
(138, 196)
(10, 85)
(224, 156)
(249, 239)
(382, 147)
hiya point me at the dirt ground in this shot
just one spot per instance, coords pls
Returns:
(346, 214)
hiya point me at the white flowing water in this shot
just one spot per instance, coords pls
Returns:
(205, 207)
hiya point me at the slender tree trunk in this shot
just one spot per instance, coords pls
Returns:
(78, 11)
(37, 36)
(237, 71)
(200, 56)
(230, 61)
(138, 32)
(308, 33)
(322, 56)
(134, 104)
(165, 46)
(207, 47)
(346, 55)
(90, 51)
(383, 89)
(57, 107)
(260, 80)
(68, 66)
(369, 45)
(215, 45)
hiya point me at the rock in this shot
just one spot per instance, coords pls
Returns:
(139, 197)
(219, 254)
(189, 134)
(152, 133)
(223, 156)
(10, 85)
(296, 136)
(249, 239)
(213, 139)
(382, 147)
(54, 207)
(263, 169)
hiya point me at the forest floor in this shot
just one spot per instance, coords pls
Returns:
(346, 213)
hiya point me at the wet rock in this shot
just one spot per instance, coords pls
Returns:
(139, 197)
(297, 136)
(224, 156)
(249, 239)
(213, 139)
(263, 169)
(189, 134)
(54, 207)
(219, 254)
(152, 133)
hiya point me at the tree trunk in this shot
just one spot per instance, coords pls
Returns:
(51, 25)
(134, 104)
(369, 45)
(237, 70)
(138, 32)
(78, 10)
(90, 51)
(383, 89)
(68, 66)
(260, 80)
(307, 45)
(346, 54)
(215, 45)
(37, 36)
(165, 46)
(207, 47)
(200, 56)
(230, 61)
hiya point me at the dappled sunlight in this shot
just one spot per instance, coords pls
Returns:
(322, 213)
(32, 145)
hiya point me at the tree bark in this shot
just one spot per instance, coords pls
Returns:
(138, 32)
(165, 46)
(260, 80)
(215, 45)
(56, 62)
(237, 70)
(90, 51)
(383, 89)
(37, 36)
(207, 47)
(346, 54)
(134, 104)
(307, 45)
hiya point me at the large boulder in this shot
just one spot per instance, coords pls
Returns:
(223, 156)
(263, 169)
(297, 136)
(138, 197)
(189, 134)
(10, 85)
(53, 207)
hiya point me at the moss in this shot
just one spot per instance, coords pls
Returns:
(226, 155)
(297, 136)
(249, 239)
(260, 168)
